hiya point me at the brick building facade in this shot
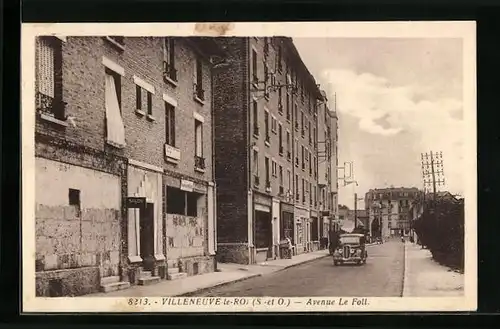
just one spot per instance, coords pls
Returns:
(266, 141)
(122, 120)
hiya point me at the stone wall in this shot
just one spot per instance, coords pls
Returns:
(71, 282)
(71, 236)
(197, 265)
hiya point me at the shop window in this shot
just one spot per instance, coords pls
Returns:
(182, 203)
(192, 204)
(176, 201)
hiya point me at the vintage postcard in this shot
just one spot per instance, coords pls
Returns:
(236, 167)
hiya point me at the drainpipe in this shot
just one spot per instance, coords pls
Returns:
(246, 88)
(214, 189)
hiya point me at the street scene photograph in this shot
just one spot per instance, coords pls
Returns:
(219, 165)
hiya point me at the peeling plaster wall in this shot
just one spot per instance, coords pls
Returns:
(67, 238)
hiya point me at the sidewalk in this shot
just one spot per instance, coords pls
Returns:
(228, 273)
(426, 278)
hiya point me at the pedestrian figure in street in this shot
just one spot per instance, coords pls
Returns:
(334, 241)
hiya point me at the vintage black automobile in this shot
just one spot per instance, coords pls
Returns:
(351, 249)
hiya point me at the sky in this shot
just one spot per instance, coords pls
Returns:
(396, 98)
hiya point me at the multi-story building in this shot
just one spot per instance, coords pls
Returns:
(124, 171)
(327, 166)
(389, 210)
(266, 159)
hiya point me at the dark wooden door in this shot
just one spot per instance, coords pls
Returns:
(147, 231)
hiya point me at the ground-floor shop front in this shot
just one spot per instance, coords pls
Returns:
(302, 230)
(263, 224)
(315, 230)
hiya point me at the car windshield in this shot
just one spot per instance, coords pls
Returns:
(349, 239)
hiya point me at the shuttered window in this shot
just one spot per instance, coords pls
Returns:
(46, 67)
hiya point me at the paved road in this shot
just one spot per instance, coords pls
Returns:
(382, 276)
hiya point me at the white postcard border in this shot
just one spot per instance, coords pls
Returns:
(464, 30)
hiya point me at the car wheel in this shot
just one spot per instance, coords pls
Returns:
(335, 263)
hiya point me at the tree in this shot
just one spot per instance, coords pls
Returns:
(441, 229)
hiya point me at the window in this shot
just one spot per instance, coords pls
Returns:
(303, 190)
(255, 77)
(170, 124)
(138, 97)
(49, 76)
(274, 124)
(181, 202)
(310, 133)
(267, 170)
(280, 138)
(169, 70)
(280, 101)
(199, 160)
(266, 125)
(74, 199)
(315, 193)
(192, 204)
(303, 157)
(315, 167)
(314, 138)
(310, 194)
(139, 93)
(288, 146)
(274, 169)
(256, 162)
(255, 118)
(297, 194)
(198, 80)
(115, 129)
(280, 177)
(296, 152)
(310, 163)
(289, 179)
(117, 41)
(287, 105)
(296, 117)
(266, 46)
(266, 78)
(302, 123)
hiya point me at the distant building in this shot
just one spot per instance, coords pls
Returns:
(389, 210)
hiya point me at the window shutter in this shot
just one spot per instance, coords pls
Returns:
(45, 68)
(195, 70)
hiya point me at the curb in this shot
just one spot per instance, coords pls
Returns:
(305, 262)
(187, 294)
(406, 286)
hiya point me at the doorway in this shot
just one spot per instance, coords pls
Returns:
(147, 236)
(263, 235)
